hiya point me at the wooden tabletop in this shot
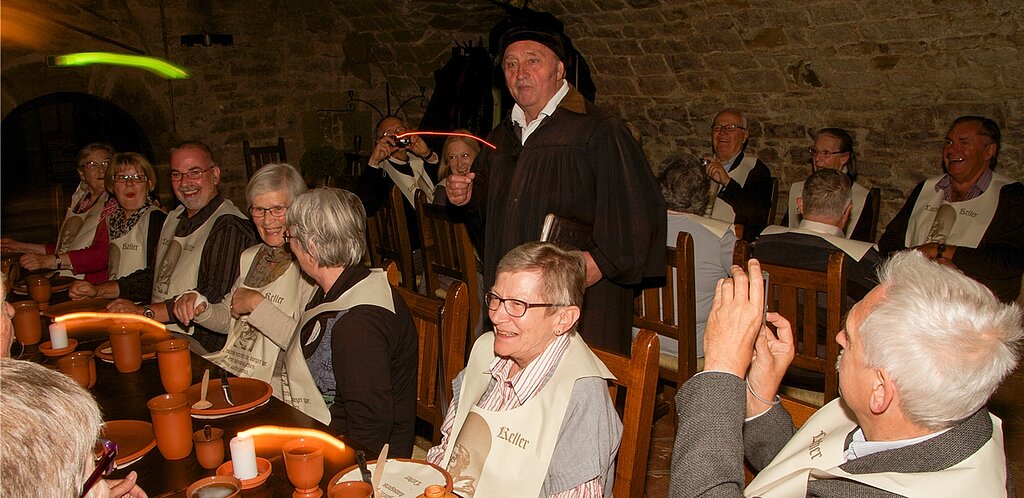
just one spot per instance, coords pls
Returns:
(124, 397)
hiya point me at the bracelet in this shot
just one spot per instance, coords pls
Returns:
(56, 258)
(775, 402)
(940, 249)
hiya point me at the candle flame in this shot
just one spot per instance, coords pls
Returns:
(448, 134)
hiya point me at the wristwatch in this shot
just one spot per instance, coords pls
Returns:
(148, 312)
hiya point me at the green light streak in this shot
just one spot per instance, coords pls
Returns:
(154, 65)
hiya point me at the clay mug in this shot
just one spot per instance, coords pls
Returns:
(350, 489)
(172, 424)
(304, 463)
(175, 363)
(81, 366)
(28, 327)
(126, 343)
(11, 270)
(39, 288)
(215, 487)
(209, 447)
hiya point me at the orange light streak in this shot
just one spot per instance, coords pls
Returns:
(113, 317)
(292, 433)
(447, 134)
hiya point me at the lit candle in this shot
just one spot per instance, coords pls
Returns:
(243, 457)
(58, 336)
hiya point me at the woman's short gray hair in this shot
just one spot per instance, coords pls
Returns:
(329, 224)
(274, 177)
(32, 398)
(945, 339)
(684, 184)
(563, 271)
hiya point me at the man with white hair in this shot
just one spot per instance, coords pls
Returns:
(922, 354)
(825, 205)
(744, 182)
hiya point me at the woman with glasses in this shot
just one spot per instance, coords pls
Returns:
(457, 157)
(260, 311)
(128, 231)
(833, 149)
(356, 334)
(82, 219)
(531, 415)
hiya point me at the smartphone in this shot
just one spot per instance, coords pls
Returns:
(767, 297)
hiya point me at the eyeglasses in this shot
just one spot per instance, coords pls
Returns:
(107, 451)
(514, 307)
(287, 235)
(192, 174)
(130, 178)
(275, 211)
(453, 157)
(96, 164)
(729, 128)
(824, 153)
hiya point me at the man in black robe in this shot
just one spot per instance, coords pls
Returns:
(559, 153)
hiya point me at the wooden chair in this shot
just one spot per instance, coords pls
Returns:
(257, 157)
(799, 411)
(441, 326)
(448, 252)
(875, 198)
(741, 253)
(775, 200)
(795, 294)
(388, 235)
(638, 376)
(671, 310)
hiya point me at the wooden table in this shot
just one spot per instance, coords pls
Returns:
(124, 396)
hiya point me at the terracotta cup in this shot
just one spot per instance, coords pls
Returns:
(351, 489)
(172, 424)
(39, 288)
(81, 366)
(28, 327)
(215, 486)
(126, 343)
(304, 463)
(174, 360)
(209, 448)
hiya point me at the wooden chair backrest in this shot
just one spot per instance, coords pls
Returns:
(798, 410)
(775, 201)
(257, 157)
(447, 251)
(441, 326)
(795, 294)
(637, 375)
(389, 237)
(391, 269)
(741, 253)
(875, 198)
(671, 310)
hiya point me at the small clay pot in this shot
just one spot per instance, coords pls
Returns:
(350, 489)
(172, 425)
(209, 450)
(175, 362)
(126, 343)
(215, 486)
(81, 366)
(28, 327)
(39, 288)
(304, 463)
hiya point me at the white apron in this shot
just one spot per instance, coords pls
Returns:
(972, 217)
(486, 445)
(409, 184)
(816, 451)
(855, 249)
(723, 211)
(127, 253)
(178, 258)
(292, 378)
(248, 351)
(79, 229)
(860, 195)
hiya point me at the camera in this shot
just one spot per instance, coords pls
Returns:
(403, 141)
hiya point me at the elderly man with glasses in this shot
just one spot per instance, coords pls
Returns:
(205, 236)
(742, 192)
(980, 230)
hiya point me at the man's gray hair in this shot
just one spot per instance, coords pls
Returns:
(945, 339)
(827, 193)
(684, 184)
(274, 177)
(40, 461)
(329, 224)
(733, 110)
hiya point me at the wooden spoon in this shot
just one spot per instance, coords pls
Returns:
(203, 404)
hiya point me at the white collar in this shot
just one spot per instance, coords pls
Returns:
(860, 447)
(519, 116)
(824, 228)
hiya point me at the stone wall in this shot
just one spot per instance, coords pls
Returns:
(894, 73)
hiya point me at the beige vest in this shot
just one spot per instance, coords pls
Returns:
(250, 352)
(127, 253)
(972, 217)
(860, 195)
(484, 445)
(816, 451)
(409, 184)
(723, 211)
(177, 258)
(292, 379)
(79, 229)
(855, 249)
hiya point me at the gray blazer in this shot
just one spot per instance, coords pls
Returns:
(712, 441)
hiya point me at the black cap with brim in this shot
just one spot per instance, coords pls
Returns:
(552, 40)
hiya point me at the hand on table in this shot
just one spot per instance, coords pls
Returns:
(459, 188)
(124, 306)
(735, 321)
(243, 301)
(80, 289)
(125, 487)
(716, 171)
(8, 244)
(772, 356)
(185, 309)
(32, 262)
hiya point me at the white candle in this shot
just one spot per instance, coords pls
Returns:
(243, 457)
(58, 336)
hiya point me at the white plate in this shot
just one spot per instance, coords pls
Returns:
(403, 478)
